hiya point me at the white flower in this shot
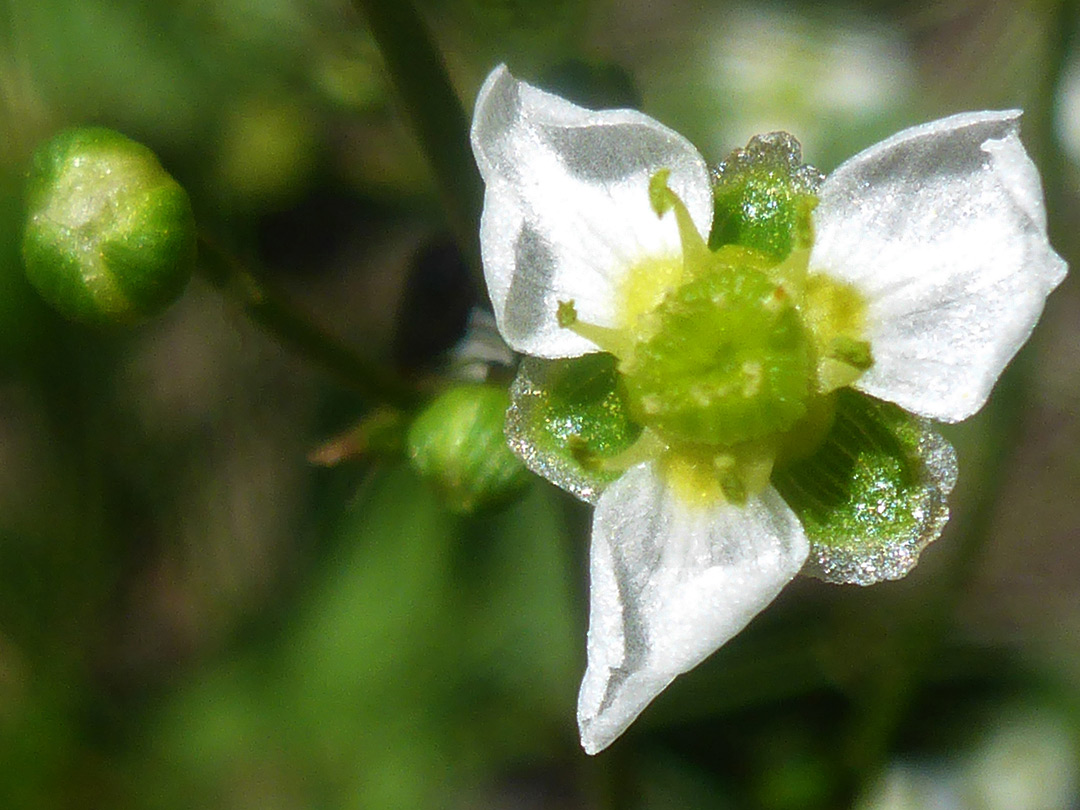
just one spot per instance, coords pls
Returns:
(940, 228)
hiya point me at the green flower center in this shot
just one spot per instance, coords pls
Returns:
(723, 359)
(728, 358)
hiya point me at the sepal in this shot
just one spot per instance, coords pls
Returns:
(874, 495)
(764, 196)
(567, 418)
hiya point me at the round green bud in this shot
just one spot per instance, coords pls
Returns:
(457, 442)
(110, 235)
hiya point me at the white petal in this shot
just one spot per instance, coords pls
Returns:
(942, 227)
(671, 582)
(566, 208)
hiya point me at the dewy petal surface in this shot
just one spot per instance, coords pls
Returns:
(566, 207)
(942, 228)
(671, 582)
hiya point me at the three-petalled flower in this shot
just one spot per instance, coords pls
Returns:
(941, 232)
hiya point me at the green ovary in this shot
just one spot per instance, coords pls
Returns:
(728, 358)
(724, 359)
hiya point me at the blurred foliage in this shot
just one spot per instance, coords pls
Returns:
(192, 616)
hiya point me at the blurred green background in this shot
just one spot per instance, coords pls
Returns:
(193, 615)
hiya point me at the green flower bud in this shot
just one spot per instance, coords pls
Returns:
(457, 443)
(110, 236)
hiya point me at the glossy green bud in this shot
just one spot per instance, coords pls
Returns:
(458, 444)
(110, 235)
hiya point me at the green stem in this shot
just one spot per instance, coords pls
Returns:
(424, 90)
(275, 314)
(1040, 114)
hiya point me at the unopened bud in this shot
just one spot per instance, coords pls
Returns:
(110, 235)
(457, 442)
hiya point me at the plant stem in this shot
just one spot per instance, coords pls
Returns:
(274, 313)
(424, 90)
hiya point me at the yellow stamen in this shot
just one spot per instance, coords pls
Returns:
(613, 341)
(663, 199)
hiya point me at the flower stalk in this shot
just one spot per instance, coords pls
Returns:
(264, 305)
(435, 113)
